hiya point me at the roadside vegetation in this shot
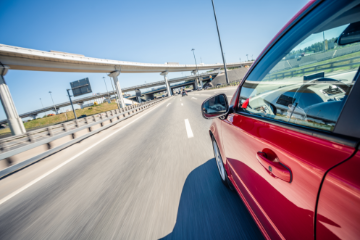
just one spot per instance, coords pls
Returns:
(63, 117)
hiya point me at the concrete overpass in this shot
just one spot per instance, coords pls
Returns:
(17, 58)
(189, 79)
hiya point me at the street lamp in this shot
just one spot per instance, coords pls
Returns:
(197, 72)
(41, 103)
(222, 53)
(193, 50)
(247, 57)
(53, 102)
(252, 57)
(106, 88)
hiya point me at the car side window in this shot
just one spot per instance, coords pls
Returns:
(308, 84)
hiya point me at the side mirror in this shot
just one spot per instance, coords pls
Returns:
(350, 35)
(215, 106)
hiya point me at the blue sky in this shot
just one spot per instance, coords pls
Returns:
(155, 31)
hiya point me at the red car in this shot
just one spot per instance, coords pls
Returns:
(288, 142)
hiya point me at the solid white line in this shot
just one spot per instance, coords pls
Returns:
(13, 194)
(188, 129)
(193, 98)
(168, 104)
(181, 104)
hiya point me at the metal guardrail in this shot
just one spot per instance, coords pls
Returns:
(13, 145)
(233, 83)
(325, 66)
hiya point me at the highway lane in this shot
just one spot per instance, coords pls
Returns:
(149, 180)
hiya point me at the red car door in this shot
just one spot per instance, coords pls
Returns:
(338, 213)
(280, 140)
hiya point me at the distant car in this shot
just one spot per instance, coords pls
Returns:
(82, 116)
(199, 88)
(288, 143)
(218, 84)
(184, 93)
(190, 90)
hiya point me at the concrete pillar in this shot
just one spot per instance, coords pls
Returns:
(114, 75)
(81, 105)
(202, 84)
(196, 84)
(149, 96)
(166, 82)
(15, 123)
(138, 95)
(34, 116)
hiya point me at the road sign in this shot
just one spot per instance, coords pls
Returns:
(81, 87)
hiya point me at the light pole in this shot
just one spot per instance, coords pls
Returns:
(252, 57)
(197, 72)
(53, 102)
(41, 103)
(193, 50)
(247, 57)
(222, 53)
(106, 88)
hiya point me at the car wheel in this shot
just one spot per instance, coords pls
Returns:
(220, 165)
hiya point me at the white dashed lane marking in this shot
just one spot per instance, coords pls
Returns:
(188, 129)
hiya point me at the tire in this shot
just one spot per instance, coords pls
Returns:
(220, 165)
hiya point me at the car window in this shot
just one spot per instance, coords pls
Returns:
(308, 84)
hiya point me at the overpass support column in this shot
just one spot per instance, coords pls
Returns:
(166, 83)
(149, 96)
(114, 75)
(196, 83)
(34, 116)
(15, 123)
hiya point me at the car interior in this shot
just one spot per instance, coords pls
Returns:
(313, 93)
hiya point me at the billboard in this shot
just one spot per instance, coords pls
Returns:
(81, 87)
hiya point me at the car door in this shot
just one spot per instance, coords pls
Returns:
(280, 140)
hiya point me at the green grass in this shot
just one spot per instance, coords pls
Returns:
(48, 121)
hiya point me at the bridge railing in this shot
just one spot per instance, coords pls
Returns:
(232, 83)
(71, 130)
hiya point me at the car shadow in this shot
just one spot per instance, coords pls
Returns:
(209, 210)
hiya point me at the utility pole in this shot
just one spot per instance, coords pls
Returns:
(53, 102)
(222, 53)
(71, 103)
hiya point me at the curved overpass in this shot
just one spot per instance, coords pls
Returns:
(18, 58)
(30, 59)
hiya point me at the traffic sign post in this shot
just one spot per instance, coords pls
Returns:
(71, 103)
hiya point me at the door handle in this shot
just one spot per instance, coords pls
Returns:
(275, 169)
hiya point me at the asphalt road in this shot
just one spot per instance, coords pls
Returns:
(141, 179)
